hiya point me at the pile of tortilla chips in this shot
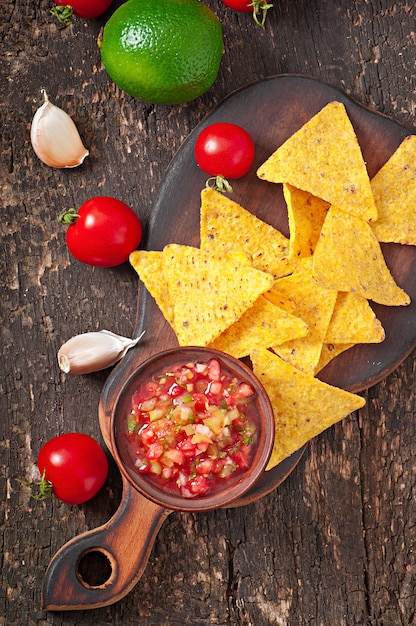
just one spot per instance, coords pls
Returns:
(293, 304)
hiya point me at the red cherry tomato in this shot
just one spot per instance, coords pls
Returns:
(86, 8)
(224, 149)
(102, 232)
(242, 6)
(75, 464)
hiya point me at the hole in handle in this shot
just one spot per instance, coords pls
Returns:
(95, 568)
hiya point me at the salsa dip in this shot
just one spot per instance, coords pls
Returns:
(192, 429)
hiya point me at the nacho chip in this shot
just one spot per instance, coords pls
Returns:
(282, 300)
(394, 191)
(149, 266)
(324, 158)
(353, 321)
(208, 294)
(303, 405)
(348, 257)
(264, 325)
(329, 352)
(226, 226)
(306, 215)
(314, 304)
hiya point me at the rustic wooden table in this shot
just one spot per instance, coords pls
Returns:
(335, 543)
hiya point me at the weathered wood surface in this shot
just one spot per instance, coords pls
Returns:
(335, 543)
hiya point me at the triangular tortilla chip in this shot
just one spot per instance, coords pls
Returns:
(264, 324)
(303, 406)
(226, 226)
(348, 257)
(394, 191)
(314, 305)
(324, 158)
(208, 294)
(306, 215)
(353, 321)
(149, 266)
(329, 352)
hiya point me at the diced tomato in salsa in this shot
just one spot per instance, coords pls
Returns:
(192, 428)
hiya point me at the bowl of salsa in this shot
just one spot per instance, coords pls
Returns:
(192, 429)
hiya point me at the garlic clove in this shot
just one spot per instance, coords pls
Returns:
(55, 138)
(93, 351)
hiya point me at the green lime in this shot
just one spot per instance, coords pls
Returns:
(162, 51)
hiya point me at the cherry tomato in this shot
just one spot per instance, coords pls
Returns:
(242, 6)
(86, 8)
(102, 232)
(75, 464)
(224, 149)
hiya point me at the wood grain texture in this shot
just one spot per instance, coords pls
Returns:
(335, 543)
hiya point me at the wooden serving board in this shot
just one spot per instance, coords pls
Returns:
(271, 111)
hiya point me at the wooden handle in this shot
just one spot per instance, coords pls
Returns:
(124, 544)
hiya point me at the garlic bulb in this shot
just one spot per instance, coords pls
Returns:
(94, 351)
(55, 138)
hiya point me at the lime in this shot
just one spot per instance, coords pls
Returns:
(163, 51)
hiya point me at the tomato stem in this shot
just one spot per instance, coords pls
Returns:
(68, 216)
(63, 14)
(260, 8)
(44, 488)
(219, 183)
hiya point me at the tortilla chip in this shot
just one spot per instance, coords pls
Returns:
(394, 191)
(306, 215)
(314, 304)
(226, 226)
(348, 257)
(264, 325)
(329, 352)
(353, 321)
(149, 266)
(282, 300)
(208, 294)
(324, 158)
(303, 406)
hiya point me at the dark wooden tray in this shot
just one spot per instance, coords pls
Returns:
(271, 111)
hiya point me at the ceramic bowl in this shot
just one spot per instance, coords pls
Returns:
(233, 488)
